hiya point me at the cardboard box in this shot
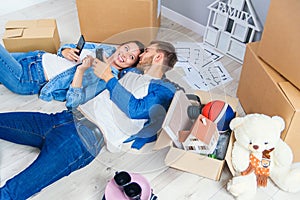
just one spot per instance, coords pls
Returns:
(192, 162)
(113, 21)
(280, 42)
(263, 90)
(29, 35)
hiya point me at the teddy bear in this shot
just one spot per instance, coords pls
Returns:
(259, 154)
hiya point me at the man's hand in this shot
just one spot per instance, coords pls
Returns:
(70, 54)
(102, 69)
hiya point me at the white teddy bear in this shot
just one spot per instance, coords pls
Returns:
(259, 153)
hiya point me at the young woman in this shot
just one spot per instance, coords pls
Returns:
(65, 147)
(51, 75)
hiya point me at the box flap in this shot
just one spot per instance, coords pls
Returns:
(206, 97)
(228, 154)
(194, 163)
(13, 33)
(43, 32)
(30, 23)
(292, 94)
(162, 141)
(20, 24)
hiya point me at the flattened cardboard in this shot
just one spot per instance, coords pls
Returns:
(280, 42)
(195, 163)
(263, 90)
(30, 35)
(101, 21)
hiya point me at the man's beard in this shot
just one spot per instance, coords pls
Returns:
(145, 64)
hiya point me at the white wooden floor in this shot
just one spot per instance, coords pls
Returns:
(89, 183)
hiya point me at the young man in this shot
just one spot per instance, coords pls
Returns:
(144, 101)
(64, 146)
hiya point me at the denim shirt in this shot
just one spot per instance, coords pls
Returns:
(59, 88)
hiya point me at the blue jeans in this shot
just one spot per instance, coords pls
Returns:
(22, 73)
(62, 149)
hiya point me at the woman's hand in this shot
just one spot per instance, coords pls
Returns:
(86, 63)
(78, 76)
(71, 54)
(102, 69)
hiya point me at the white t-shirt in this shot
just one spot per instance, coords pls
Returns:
(54, 64)
(115, 125)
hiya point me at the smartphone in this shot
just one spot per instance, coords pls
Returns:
(99, 54)
(80, 44)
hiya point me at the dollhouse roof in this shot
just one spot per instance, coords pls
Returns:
(204, 132)
(237, 9)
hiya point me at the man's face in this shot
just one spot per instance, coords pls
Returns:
(146, 58)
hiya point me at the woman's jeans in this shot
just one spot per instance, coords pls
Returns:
(22, 73)
(62, 149)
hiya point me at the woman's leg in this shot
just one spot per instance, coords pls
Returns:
(27, 128)
(22, 73)
(62, 152)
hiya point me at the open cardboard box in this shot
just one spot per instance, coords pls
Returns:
(30, 35)
(192, 162)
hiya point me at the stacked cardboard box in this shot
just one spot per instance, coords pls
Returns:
(114, 21)
(280, 43)
(29, 35)
(270, 78)
(263, 90)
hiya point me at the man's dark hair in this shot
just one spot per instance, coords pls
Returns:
(168, 50)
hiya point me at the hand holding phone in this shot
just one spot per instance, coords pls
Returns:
(80, 45)
(102, 69)
(99, 54)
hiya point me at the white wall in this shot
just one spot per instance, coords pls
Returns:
(197, 11)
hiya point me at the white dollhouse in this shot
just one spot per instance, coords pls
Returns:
(231, 24)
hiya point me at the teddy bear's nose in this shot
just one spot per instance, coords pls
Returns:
(255, 147)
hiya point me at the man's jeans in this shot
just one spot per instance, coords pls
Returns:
(22, 73)
(62, 149)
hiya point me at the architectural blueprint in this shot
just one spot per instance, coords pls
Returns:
(201, 67)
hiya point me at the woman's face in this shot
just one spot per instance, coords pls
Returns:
(126, 55)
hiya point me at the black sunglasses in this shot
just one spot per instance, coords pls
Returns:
(131, 189)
